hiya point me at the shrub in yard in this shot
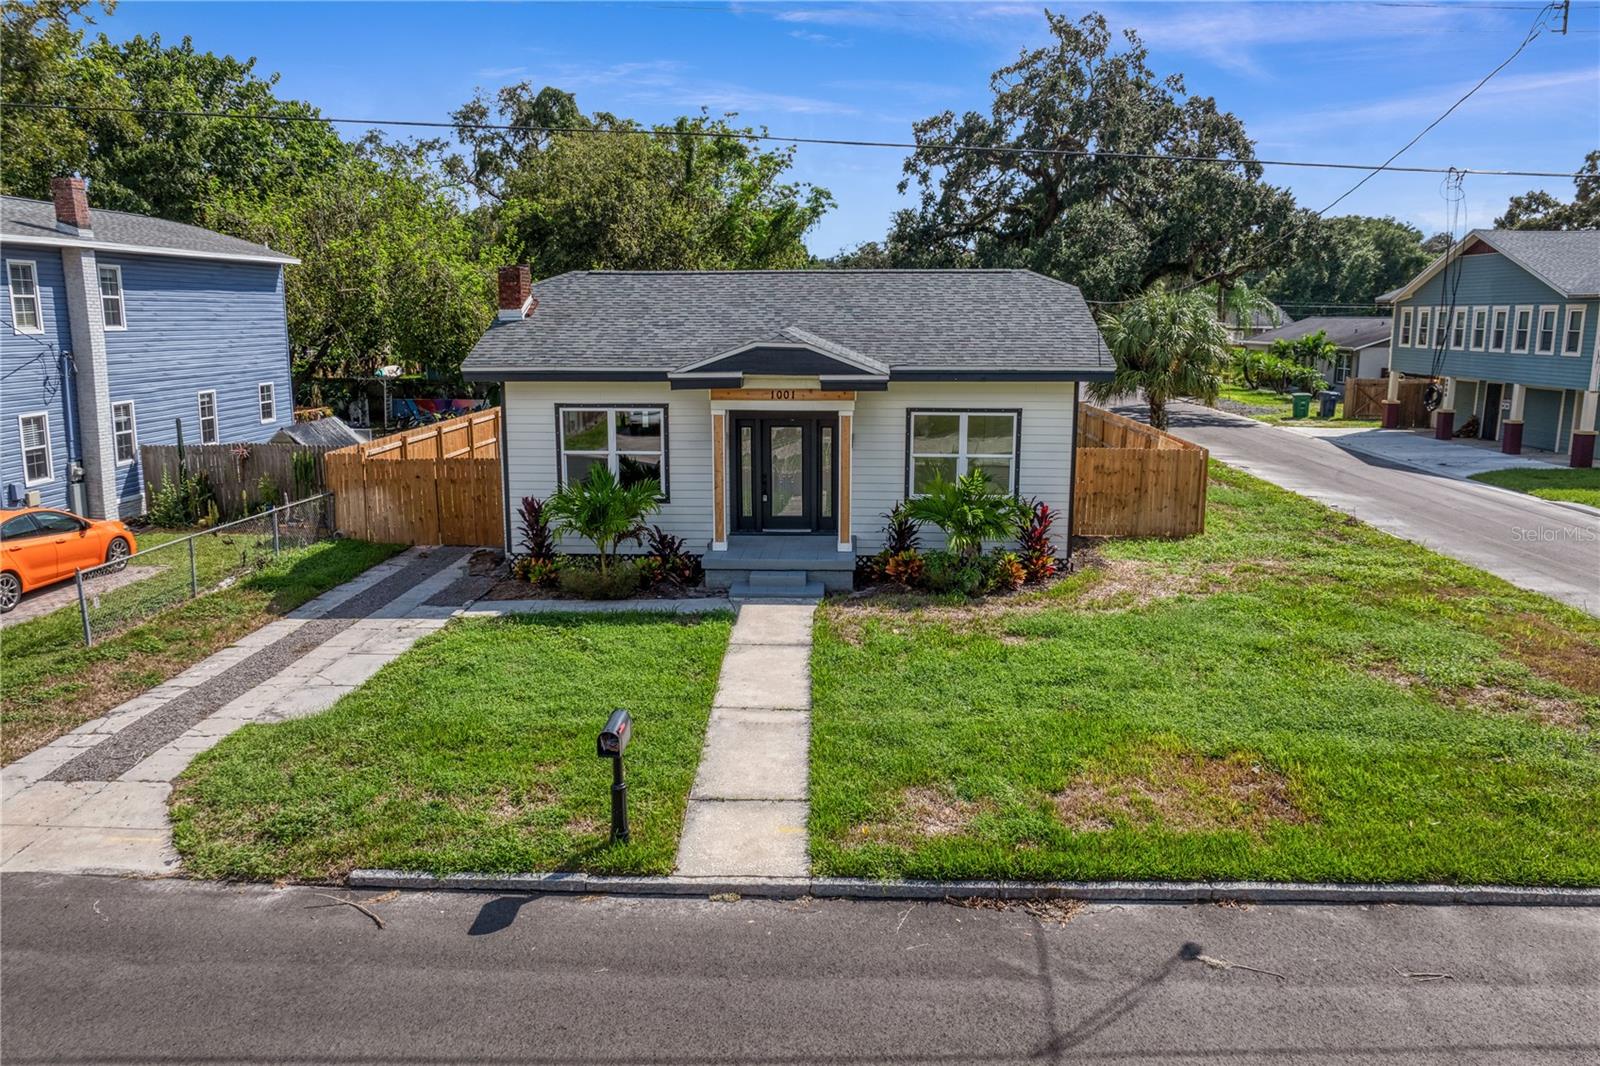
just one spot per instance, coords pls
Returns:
(304, 468)
(179, 502)
(1006, 572)
(1035, 550)
(533, 518)
(900, 531)
(617, 581)
(268, 495)
(669, 561)
(969, 511)
(905, 568)
(541, 573)
(949, 572)
(603, 511)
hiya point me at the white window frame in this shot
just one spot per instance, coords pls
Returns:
(122, 305)
(216, 416)
(1538, 329)
(49, 450)
(132, 433)
(1441, 327)
(267, 402)
(1505, 328)
(962, 455)
(612, 455)
(38, 304)
(1405, 327)
(1526, 344)
(1424, 325)
(1458, 329)
(1566, 332)
(1478, 334)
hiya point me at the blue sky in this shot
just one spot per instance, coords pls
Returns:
(1339, 81)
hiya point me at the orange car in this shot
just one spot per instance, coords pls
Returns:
(39, 546)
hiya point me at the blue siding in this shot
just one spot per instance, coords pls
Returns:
(34, 377)
(195, 325)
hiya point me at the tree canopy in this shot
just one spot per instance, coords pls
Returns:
(1351, 259)
(1166, 345)
(1540, 210)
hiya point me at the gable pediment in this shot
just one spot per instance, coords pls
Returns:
(791, 352)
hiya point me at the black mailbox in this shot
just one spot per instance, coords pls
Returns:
(613, 739)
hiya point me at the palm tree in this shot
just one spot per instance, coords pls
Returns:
(603, 511)
(1166, 345)
(969, 511)
(1238, 304)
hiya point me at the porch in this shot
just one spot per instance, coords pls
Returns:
(780, 565)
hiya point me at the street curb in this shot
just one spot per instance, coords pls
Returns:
(1098, 891)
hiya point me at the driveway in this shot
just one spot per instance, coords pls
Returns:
(51, 598)
(1535, 544)
(114, 970)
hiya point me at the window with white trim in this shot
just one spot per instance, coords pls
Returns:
(1497, 331)
(1572, 336)
(1480, 328)
(111, 298)
(630, 441)
(38, 465)
(267, 401)
(1424, 319)
(1441, 326)
(1458, 330)
(1522, 333)
(207, 403)
(946, 445)
(124, 436)
(26, 317)
(1547, 331)
(1405, 327)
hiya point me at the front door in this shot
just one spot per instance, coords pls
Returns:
(1490, 422)
(785, 473)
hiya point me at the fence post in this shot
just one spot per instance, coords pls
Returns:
(83, 609)
(276, 551)
(194, 572)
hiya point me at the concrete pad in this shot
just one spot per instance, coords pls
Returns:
(766, 676)
(73, 850)
(165, 765)
(122, 805)
(13, 838)
(751, 838)
(754, 755)
(352, 670)
(772, 623)
(47, 802)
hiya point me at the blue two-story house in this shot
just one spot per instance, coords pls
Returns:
(118, 327)
(1505, 323)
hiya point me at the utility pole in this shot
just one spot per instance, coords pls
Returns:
(1566, 12)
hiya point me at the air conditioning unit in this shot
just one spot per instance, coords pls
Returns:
(31, 498)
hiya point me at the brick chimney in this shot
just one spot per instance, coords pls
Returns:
(72, 204)
(516, 291)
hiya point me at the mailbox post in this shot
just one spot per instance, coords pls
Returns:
(611, 743)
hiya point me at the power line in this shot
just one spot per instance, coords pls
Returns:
(842, 142)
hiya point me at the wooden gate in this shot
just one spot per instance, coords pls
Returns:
(1134, 481)
(1363, 398)
(437, 485)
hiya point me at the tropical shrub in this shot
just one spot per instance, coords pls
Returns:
(1006, 572)
(905, 568)
(667, 560)
(617, 581)
(534, 520)
(541, 573)
(947, 571)
(603, 511)
(1263, 370)
(899, 531)
(1166, 345)
(1036, 551)
(968, 511)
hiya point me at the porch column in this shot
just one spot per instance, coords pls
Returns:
(1391, 403)
(719, 481)
(1444, 419)
(1511, 428)
(846, 424)
(1583, 431)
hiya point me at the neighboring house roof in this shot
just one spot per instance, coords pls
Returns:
(1566, 260)
(1350, 332)
(34, 222)
(934, 324)
(1260, 319)
(325, 432)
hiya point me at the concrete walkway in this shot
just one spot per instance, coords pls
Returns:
(95, 800)
(1422, 451)
(747, 811)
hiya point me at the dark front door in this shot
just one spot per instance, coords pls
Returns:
(785, 473)
(1491, 412)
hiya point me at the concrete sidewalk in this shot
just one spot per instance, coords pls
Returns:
(1419, 451)
(95, 800)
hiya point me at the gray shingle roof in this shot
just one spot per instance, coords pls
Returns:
(22, 220)
(972, 321)
(1354, 332)
(326, 432)
(1568, 260)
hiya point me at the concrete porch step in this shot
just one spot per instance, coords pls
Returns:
(789, 590)
(777, 578)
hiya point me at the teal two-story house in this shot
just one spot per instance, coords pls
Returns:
(1505, 324)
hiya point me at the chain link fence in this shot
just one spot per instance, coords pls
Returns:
(172, 568)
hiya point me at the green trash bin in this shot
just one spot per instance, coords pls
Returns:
(1302, 404)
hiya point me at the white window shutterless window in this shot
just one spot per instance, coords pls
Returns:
(267, 401)
(1424, 317)
(1522, 329)
(38, 465)
(1480, 328)
(1458, 330)
(207, 404)
(1572, 336)
(1546, 340)
(1497, 329)
(1441, 326)
(630, 441)
(26, 316)
(1405, 327)
(124, 436)
(946, 445)
(111, 311)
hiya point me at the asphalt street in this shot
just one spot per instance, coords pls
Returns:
(103, 970)
(1532, 543)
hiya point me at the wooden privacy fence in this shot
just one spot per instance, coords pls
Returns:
(234, 471)
(1363, 398)
(436, 485)
(1134, 481)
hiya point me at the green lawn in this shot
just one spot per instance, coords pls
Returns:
(473, 751)
(1275, 407)
(50, 683)
(1291, 696)
(1556, 483)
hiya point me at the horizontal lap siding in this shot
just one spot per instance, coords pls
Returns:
(530, 426)
(31, 364)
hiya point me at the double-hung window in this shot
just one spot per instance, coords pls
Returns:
(207, 402)
(1547, 331)
(630, 441)
(946, 445)
(111, 310)
(1480, 328)
(1572, 336)
(124, 435)
(1441, 326)
(1522, 332)
(38, 465)
(25, 314)
(1458, 330)
(1405, 327)
(267, 401)
(1497, 331)
(1424, 318)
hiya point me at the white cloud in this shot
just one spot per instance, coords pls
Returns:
(496, 73)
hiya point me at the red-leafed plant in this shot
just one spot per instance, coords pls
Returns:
(538, 543)
(1035, 549)
(905, 568)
